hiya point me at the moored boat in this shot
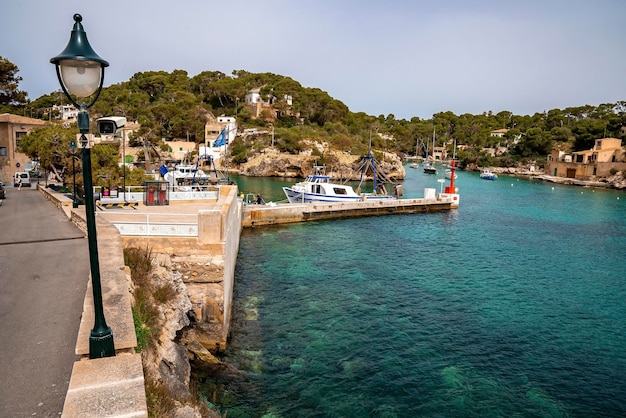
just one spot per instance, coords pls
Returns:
(488, 175)
(448, 174)
(184, 174)
(317, 187)
(429, 168)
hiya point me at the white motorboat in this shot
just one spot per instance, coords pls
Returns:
(317, 187)
(448, 174)
(488, 175)
(185, 174)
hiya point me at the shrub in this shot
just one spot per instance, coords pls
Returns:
(164, 293)
(141, 329)
(140, 263)
(160, 401)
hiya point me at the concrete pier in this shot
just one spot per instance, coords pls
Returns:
(259, 215)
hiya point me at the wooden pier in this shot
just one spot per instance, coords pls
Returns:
(259, 215)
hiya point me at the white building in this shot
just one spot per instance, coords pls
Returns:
(67, 112)
(218, 133)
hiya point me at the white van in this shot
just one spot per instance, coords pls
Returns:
(24, 175)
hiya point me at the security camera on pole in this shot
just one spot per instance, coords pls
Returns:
(114, 126)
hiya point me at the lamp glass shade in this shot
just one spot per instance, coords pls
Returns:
(80, 77)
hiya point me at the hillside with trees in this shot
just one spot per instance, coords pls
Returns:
(176, 106)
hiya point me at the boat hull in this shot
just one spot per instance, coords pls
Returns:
(295, 196)
(488, 175)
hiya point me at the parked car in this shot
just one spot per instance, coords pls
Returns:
(3, 194)
(24, 176)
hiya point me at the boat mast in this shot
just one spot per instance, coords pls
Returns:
(371, 160)
(433, 144)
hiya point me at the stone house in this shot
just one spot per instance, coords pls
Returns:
(607, 154)
(12, 129)
(439, 153)
(213, 129)
(498, 133)
(273, 107)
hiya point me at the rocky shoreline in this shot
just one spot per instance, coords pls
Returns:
(169, 360)
(616, 181)
(344, 166)
(339, 165)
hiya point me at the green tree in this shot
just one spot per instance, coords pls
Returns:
(10, 95)
(586, 131)
(50, 145)
(561, 134)
(535, 143)
(239, 151)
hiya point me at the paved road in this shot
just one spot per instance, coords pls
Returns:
(44, 269)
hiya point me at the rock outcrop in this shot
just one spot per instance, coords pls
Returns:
(339, 165)
(168, 361)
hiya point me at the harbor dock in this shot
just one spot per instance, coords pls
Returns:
(259, 215)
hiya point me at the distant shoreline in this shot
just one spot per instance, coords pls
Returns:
(604, 183)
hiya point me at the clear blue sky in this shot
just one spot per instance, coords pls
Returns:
(400, 57)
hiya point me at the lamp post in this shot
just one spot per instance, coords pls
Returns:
(73, 151)
(81, 73)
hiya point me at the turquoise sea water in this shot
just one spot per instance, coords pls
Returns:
(513, 305)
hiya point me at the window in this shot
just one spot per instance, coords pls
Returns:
(3, 151)
(18, 136)
(339, 190)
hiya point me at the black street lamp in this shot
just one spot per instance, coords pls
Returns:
(73, 151)
(81, 73)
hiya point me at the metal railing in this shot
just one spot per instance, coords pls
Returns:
(154, 224)
(176, 193)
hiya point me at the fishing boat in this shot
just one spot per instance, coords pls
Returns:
(488, 175)
(414, 165)
(191, 174)
(184, 174)
(317, 187)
